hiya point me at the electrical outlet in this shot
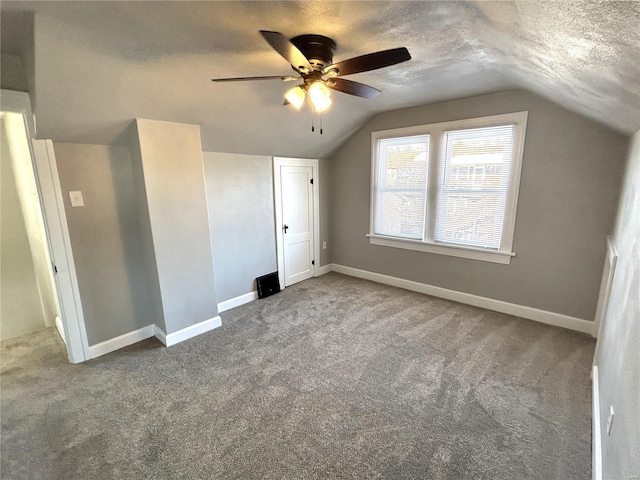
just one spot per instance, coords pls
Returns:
(324, 245)
(610, 421)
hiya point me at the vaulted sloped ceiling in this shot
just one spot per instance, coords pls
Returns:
(100, 64)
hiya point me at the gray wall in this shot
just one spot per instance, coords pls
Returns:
(172, 167)
(105, 238)
(20, 309)
(325, 173)
(619, 350)
(12, 75)
(570, 181)
(164, 176)
(241, 216)
(146, 234)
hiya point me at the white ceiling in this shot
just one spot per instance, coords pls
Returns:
(100, 64)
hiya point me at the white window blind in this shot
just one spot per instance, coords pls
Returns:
(449, 188)
(400, 186)
(475, 169)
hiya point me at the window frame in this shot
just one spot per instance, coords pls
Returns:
(436, 132)
(428, 161)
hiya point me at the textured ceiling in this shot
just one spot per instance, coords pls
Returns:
(100, 64)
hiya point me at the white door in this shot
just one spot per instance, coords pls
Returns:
(297, 223)
(297, 218)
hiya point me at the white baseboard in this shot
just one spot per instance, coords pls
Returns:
(237, 301)
(122, 341)
(60, 326)
(543, 316)
(152, 331)
(596, 437)
(324, 270)
(186, 333)
(159, 334)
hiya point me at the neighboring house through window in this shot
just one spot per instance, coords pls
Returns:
(449, 188)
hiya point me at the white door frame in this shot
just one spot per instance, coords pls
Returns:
(611, 260)
(56, 228)
(277, 189)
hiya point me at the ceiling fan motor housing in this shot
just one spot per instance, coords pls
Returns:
(318, 49)
(311, 57)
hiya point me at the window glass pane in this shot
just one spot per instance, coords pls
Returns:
(401, 186)
(474, 179)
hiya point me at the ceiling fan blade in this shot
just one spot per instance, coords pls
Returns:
(371, 61)
(284, 78)
(352, 88)
(287, 50)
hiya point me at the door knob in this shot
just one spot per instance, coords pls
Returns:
(285, 227)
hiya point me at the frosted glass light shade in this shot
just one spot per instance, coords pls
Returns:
(320, 96)
(295, 97)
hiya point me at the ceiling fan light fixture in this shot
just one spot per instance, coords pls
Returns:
(320, 96)
(295, 97)
(311, 57)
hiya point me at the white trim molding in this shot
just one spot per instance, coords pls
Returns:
(60, 326)
(159, 334)
(149, 331)
(75, 330)
(252, 296)
(186, 333)
(530, 313)
(237, 301)
(279, 162)
(460, 251)
(596, 436)
(611, 259)
(323, 270)
(435, 179)
(57, 231)
(119, 342)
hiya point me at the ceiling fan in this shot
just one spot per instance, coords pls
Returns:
(311, 57)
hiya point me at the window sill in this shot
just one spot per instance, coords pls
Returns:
(483, 255)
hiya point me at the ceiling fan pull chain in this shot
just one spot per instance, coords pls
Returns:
(321, 123)
(313, 129)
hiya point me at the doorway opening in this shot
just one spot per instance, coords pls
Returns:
(29, 296)
(39, 282)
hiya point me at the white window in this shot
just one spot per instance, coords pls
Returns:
(449, 188)
(401, 186)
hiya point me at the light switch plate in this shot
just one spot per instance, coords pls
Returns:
(76, 198)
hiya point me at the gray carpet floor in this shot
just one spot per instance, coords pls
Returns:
(334, 377)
